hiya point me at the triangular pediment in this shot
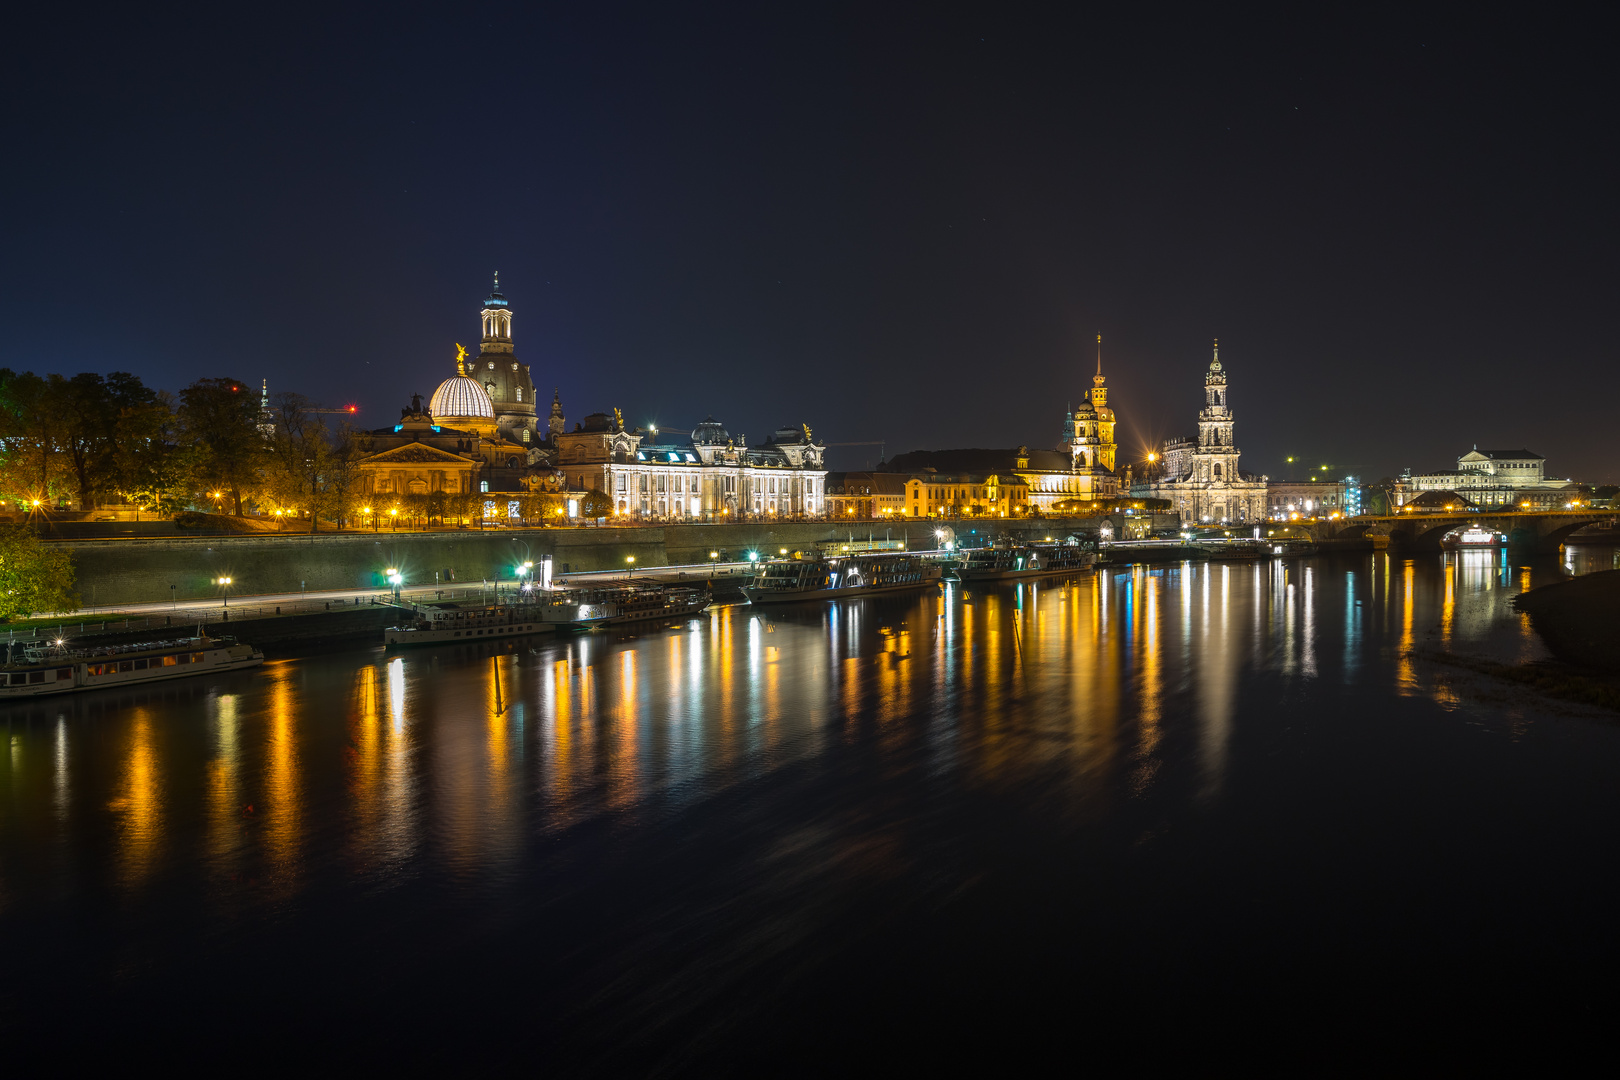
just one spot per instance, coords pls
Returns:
(416, 454)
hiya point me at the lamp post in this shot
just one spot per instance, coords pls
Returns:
(278, 520)
(396, 579)
(714, 564)
(630, 560)
(224, 584)
(519, 571)
(393, 515)
(365, 512)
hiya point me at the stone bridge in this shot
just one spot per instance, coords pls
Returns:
(1541, 531)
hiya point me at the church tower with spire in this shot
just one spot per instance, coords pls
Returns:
(1090, 429)
(1216, 458)
(510, 389)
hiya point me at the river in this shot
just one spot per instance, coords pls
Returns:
(906, 828)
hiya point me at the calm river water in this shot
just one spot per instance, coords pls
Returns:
(1221, 798)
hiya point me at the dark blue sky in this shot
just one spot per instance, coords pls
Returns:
(893, 226)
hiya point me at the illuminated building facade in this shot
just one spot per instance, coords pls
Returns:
(862, 495)
(1493, 479)
(1201, 479)
(421, 455)
(966, 495)
(711, 476)
(1312, 498)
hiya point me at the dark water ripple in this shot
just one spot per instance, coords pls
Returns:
(1191, 799)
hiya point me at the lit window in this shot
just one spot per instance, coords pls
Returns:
(483, 485)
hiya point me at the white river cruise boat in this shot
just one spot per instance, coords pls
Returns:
(34, 669)
(436, 626)
(1005, 562)
(781, 581)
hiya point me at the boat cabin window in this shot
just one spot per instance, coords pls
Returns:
(19, 678)
(126, 665)
(197, 657)
(64, 673)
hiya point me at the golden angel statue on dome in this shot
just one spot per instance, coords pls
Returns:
(461, 359)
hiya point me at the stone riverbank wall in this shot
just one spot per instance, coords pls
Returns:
(137, 571)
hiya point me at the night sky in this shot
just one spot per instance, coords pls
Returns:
(906, 227)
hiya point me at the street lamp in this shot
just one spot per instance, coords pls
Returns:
(393, 514)
(224, 584)
(520, 570)
(630, 561)
(365, 512)
(714, 564)
(396, 579)
(278, 521)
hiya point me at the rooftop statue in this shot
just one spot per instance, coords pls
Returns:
(461, 359)
(807, 436)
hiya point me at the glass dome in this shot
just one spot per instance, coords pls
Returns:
(459, 396)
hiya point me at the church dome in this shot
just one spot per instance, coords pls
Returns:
(710, 433)
(461, 397)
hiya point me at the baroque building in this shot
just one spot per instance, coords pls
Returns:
(712, 476)
(1492, 479)
(1083, 466)
(1201, 478)
(493, 392)
(424, 454)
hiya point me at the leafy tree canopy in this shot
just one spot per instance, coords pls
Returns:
(34, 577)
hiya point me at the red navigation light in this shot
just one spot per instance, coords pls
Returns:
(354, 408)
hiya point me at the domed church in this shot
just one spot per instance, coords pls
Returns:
(492, 393)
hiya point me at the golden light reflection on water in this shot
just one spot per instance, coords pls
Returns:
(226, 806)
(139, 804)
(282, 812)
(1126, 676)
(1406, 675)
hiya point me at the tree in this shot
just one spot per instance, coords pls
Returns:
(88, 407)
(33, 468)
(34, 576)
(151, 461)
(595, 504)
(221, 418)
(308, 467)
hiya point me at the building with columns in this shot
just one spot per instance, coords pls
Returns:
(1493, 479)
(712, 476)
(1201, 478)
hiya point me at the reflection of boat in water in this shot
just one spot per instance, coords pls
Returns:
(1474, 536)
(782, 581)
(33, 669)
(1003, 562)
(436, 625)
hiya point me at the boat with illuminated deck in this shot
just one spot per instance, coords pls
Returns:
(781, 581)
(33, 669)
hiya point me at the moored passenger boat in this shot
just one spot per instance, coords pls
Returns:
(458, 625)
(646, 603)
(782, 581)
(1003, 562)
(34, 669)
